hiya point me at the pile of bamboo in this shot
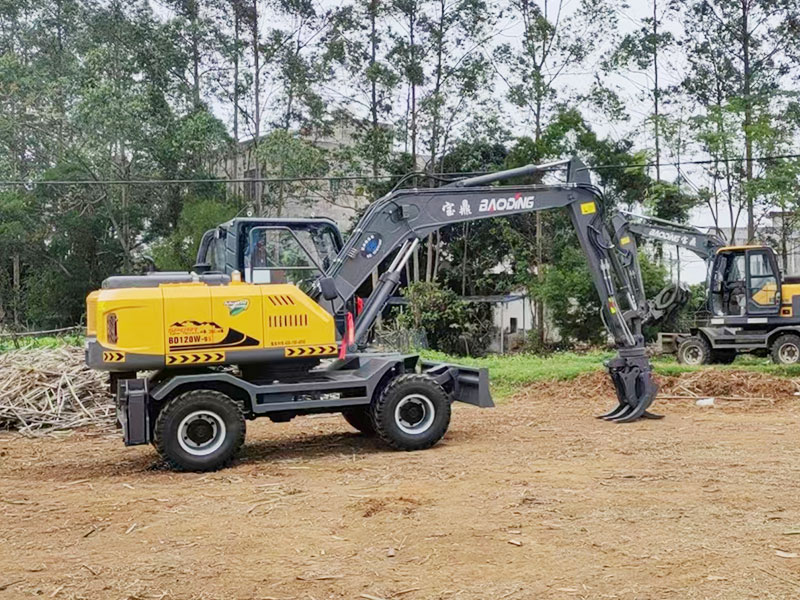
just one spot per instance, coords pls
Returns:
(45, 390)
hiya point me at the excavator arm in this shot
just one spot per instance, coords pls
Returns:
(703, 244)
(403, 217)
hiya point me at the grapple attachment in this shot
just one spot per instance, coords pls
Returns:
(633, 381)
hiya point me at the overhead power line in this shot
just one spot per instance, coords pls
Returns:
(32, 183)
(709, 161)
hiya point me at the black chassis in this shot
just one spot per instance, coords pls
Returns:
(744, 333)
(333, 388)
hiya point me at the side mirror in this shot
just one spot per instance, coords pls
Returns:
(201, 268)
(328, 288)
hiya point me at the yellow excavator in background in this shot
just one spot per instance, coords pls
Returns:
(751, 307)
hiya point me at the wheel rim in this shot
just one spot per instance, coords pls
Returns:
(693, 355)
(201, 433)
(414, 414)
(789, 353)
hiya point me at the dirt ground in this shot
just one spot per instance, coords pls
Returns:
(533, 499)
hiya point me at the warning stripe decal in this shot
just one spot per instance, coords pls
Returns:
(113, 357)
(322, 350)
(281, 300)
(195, 358)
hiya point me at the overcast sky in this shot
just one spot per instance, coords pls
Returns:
(631, 85)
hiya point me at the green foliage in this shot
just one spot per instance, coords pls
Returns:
(571, 298)
(451, 325)
(178, 251)
(287, 156)
(509, 373)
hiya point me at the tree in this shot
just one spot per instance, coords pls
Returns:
(642, 49)
(552, 42)
(357, 42)
(740, 53)
(287, 157)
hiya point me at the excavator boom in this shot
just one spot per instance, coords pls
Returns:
(403, 217)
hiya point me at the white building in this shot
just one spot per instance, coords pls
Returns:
(339, 199)
(781, 229)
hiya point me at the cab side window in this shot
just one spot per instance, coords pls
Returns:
(763, 283)
(215, 255)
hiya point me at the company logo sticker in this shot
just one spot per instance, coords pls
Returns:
(236, 307)
(518, 202)
(675, 238)
(371, 245)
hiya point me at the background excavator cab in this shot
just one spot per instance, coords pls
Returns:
(745, 280)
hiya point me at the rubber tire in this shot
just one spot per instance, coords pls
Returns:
(360, 418)
(168, 421)
(723, 357)
(383, 409)
(782, 341)
(695, 341)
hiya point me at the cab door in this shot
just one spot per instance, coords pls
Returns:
(763, 283)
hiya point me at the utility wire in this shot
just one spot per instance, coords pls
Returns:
(30, 183)
(696, 162)
(439, 176)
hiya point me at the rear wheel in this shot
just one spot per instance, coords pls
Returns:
(694, 350)
(360, 419)
(411, 413)
(786, 349)
(200, 430)
(723, 357)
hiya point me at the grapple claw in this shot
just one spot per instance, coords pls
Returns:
(621, 410)
(612, 412)
(648, 415)
(633, 382)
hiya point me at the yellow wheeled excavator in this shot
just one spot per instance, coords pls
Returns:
(267, 323)
(750, 307)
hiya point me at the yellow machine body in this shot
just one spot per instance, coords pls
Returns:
(788, 292)
(185, 324)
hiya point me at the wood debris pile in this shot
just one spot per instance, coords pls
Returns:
(750, 388)
(726, 383)
(46, 390)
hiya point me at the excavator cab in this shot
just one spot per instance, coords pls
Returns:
(745, 281)
(270, 250)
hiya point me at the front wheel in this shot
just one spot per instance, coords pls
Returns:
(411, 413)
(694, 350)
(786, 349)
(200, 430)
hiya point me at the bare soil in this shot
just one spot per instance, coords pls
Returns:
(533, 499)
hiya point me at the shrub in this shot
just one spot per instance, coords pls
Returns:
(451, 325)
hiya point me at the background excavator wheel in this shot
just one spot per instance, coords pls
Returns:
(786, 349)
(200, 430)
(694, 350)
(723, 357)
(411, 413)
(360, 419)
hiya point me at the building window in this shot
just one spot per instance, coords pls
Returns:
(512, 325)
